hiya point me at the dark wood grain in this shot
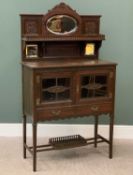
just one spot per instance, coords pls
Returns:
(61, 82)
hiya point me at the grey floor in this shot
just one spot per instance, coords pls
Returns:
(78, 161)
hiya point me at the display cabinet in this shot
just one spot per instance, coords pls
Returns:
(63, 76)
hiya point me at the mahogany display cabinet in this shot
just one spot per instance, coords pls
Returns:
(63, 76)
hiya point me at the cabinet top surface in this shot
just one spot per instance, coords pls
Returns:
(67, 63)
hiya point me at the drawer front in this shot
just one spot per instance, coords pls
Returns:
(73, 111)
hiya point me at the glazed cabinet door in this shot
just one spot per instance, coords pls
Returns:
(54, 88)
(95, 85)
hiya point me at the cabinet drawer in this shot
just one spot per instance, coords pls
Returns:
(94, 109)
(54, 113)
(72, 111)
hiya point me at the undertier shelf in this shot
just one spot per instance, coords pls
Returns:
(67, 141)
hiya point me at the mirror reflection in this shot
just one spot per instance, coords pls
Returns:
(61, 24)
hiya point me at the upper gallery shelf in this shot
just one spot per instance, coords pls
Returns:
(61, 21)
(66, 38)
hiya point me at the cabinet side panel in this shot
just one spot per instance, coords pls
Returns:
(27, 91)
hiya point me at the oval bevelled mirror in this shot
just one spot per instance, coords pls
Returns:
(61, 24)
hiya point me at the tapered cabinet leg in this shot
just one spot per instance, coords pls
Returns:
(95, 131)
(111, 136)
(24, 136)
(34, 127)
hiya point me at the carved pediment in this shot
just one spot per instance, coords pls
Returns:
(63, 8)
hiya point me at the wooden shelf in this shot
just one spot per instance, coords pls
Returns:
(89, 38)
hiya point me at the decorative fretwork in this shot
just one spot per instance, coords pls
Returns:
(93, 86)
(56, 89)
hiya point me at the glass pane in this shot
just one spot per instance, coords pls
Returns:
(47, 96)
(101, 79)
(64, 95)
(84, 93)
(85, 80)
(64, 82)
(46, 83)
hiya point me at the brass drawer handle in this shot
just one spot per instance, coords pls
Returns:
(94, 108)
(56, 113)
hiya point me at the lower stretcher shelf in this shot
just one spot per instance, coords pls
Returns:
(66, 142)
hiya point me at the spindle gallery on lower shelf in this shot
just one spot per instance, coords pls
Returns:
(63, 76)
